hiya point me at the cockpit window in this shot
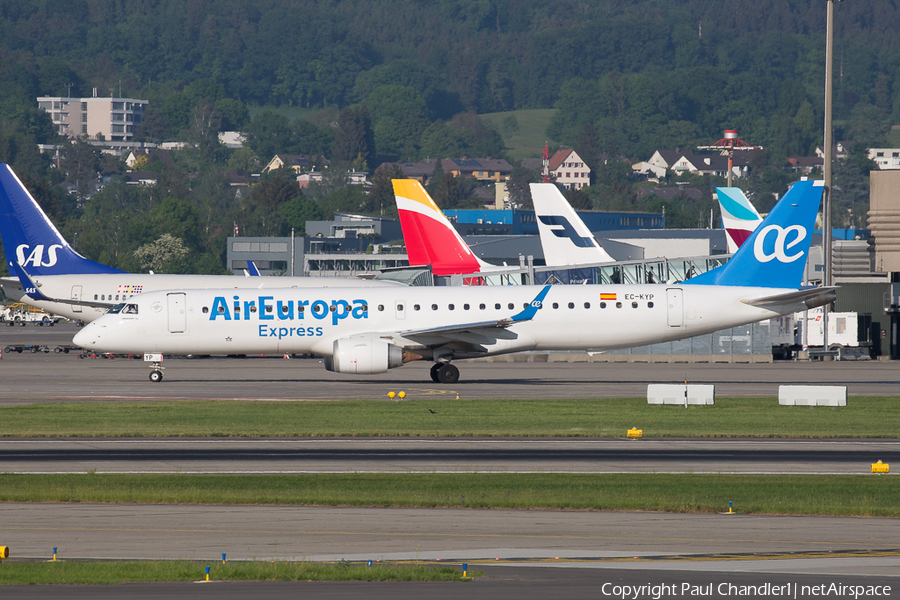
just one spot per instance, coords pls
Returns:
(125, 309)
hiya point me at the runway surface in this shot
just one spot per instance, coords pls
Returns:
(194, 532)
(699, 549)
(403, 455)
(30, 378)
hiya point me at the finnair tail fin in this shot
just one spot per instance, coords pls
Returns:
(775, 254)
(429, 236)
(565, 238)
(739, 217)
(30, 238)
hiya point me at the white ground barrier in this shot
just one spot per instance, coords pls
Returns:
(663, 393)
(812, 395)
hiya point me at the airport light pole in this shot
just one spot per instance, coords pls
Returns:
(826, 166)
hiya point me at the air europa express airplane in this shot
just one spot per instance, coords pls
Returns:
(49, 274)
(367, 331)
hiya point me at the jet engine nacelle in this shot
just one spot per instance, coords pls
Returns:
(364, 356)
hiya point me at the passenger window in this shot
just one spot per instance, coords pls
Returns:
(587, 304)
(268, 309)
(95, 296)
(571, 305)
(434, 307)
(481, 306)
(555, 305)
(205, 309)
(497, 306)
(399, 307)
(510, 307)
(381, 307)
(618, 305)
(603, 305)
(221, 310)
(450, 306)
(465, 307)
(253, 309)
(649, 305)
(634, 305)
(416, 307)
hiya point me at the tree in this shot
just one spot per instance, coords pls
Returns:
(81, 163)
(275, 190)
(381, 195)
(354, 136)
(517, 185)
(587, 146)
(166, 254)
(297, 211)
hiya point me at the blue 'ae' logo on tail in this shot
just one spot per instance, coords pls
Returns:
(31, 239)
(775, 254)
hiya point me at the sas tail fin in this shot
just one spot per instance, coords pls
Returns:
(565, 238)
(30, 238)
(430, 238)
(775, 254)
(739, 217)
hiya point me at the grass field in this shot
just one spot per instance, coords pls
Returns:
(864, 495)
(75, 573)
(730, 417)
(524, 131)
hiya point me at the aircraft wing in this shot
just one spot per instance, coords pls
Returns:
(478, 332)
(811, 297)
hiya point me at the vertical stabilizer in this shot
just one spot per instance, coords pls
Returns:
(565, 238)
(739, 217)
(31, 239)
(430, 238)
(775, 254)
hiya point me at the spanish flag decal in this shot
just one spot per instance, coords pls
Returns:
(607, 296)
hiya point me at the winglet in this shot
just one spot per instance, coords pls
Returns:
(533, 306)
(252, 269)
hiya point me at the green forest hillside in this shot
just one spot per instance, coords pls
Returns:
(362, 82)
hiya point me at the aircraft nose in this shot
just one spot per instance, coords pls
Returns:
(86, 337)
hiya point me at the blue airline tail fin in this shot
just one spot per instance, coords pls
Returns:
(775, 254)
(30, 238)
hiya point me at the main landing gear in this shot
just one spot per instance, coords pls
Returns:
(444, 373)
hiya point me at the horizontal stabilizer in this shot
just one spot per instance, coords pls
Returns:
(811, 297)
(33, 291)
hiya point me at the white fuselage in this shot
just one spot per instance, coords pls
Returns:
(112, 288)
(571, 318)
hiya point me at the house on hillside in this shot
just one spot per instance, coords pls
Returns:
(297, 162)
(885, 158)
(679, 162)
(569, 169)
(420, 171)
(804, 164)
(482, 169)
(150, 155)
